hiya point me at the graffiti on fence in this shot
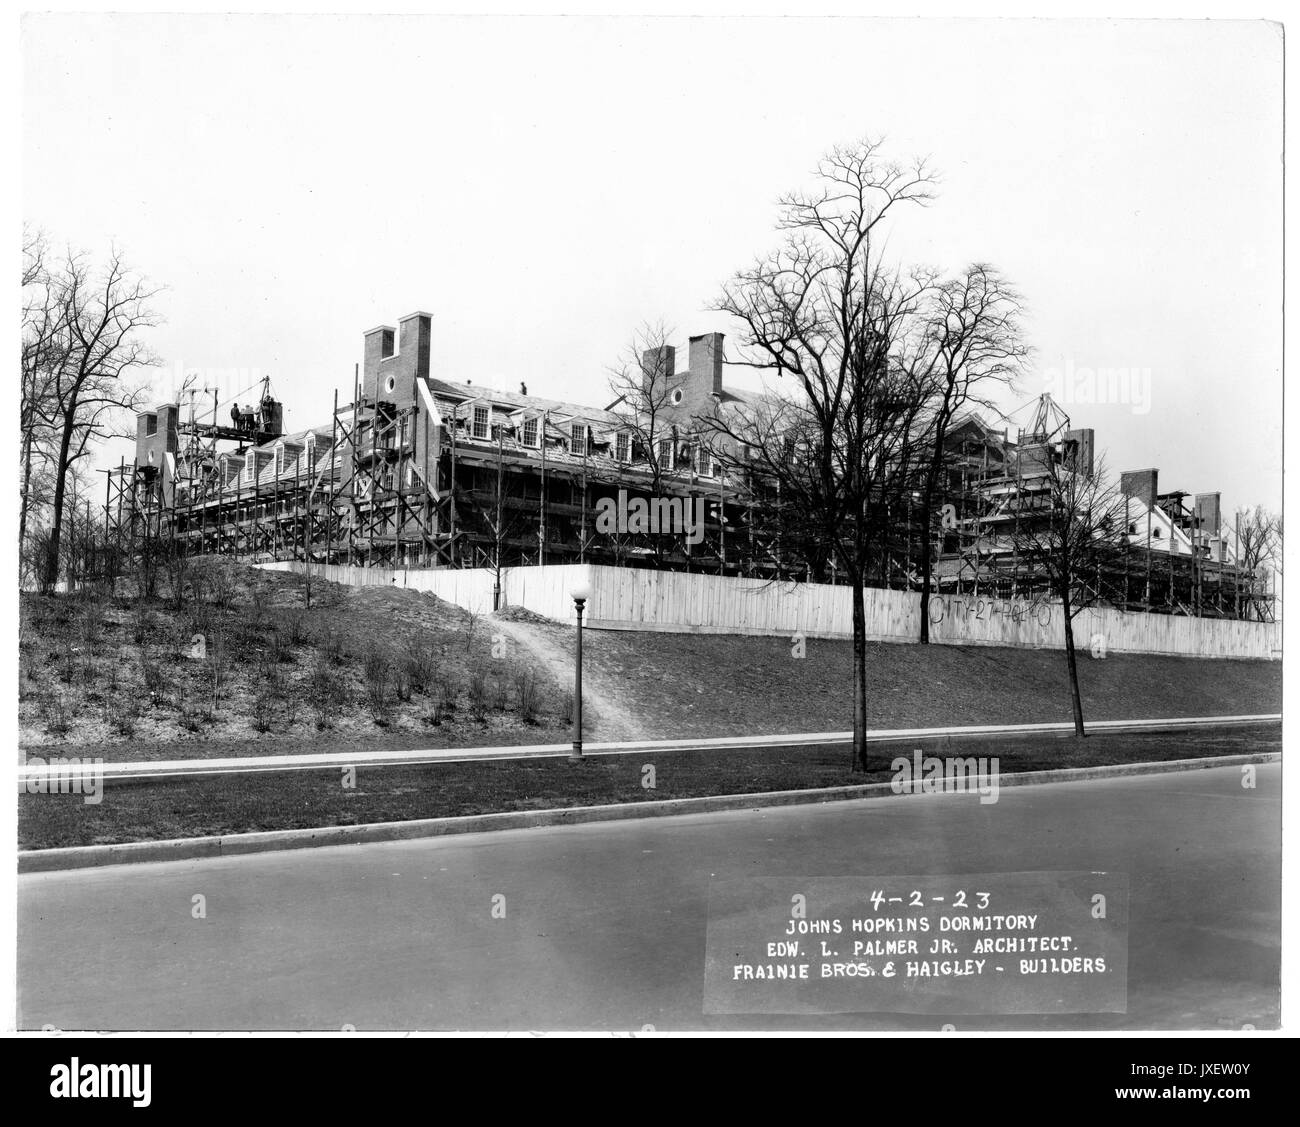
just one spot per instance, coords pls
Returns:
(969, 608)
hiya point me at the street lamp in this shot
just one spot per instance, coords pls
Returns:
(580, 593)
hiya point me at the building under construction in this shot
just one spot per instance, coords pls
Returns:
(414, 471)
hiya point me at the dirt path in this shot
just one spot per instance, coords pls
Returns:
(615, 717)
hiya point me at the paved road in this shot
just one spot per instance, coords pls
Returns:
(604, 924)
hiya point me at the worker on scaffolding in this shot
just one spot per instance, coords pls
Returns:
(244, 420)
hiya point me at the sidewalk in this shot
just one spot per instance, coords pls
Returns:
(237, 765)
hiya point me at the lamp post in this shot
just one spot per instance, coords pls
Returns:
(580, 593)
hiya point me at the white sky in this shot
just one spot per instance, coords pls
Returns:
(543, 185)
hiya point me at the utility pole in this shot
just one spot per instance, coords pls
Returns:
(541, 520)
(500, 528)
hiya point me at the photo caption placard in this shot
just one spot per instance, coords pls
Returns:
(988, 943)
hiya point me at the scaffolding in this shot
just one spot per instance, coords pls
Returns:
(390, 484)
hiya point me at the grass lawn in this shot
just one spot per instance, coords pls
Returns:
(160, 809)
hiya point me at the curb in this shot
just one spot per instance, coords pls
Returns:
(233, 845)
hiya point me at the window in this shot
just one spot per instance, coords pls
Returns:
(703, 462)
(403, 430)
(480, 422)
(664, 449)
(578, 439)
(150, 425)
(530, 432)
(623, 446)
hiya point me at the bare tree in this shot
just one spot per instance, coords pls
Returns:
(87, 366)
(503, 515)
(970, 345)
(43, 344)
(1067, 532)
(1259, 550)
(642, 383)
(825, 317)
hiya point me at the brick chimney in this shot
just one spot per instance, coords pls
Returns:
(395, 358)
(706, 364)
(658, 368)
(1140, 484)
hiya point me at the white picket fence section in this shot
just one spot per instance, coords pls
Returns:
(630, 599)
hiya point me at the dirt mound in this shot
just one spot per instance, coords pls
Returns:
(523, 614)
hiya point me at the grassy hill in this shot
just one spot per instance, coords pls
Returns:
(237, 660)
(376, 667)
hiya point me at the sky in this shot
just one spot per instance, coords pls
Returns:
(542, 186)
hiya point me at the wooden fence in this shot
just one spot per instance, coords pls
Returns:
(630, 599)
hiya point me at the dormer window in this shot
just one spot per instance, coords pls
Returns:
(529, 432)
(664, 453)
(579, 439)
(480, 422)
(623, 446)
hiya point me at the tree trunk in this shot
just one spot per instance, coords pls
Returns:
(1072, 665)
(51, 574)
(26, 488)
(926, 570)
(859, 675)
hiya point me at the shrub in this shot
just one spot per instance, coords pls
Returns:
(122, 717)
(258, 606)
(90, 625)
(446, 688)
(478, 693)
(375, 670)
(141, 623)
(401, 676)
(290, 702)
(263, 709)
(157, 680)
(278, 647)
(67, 664)
(331, 644)
(327, 692)
(269, 676)
(190, 717)
(565, 709)
(293, 628)
(57, 721)
(220, 590)
(528, 692)
(421, 666)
